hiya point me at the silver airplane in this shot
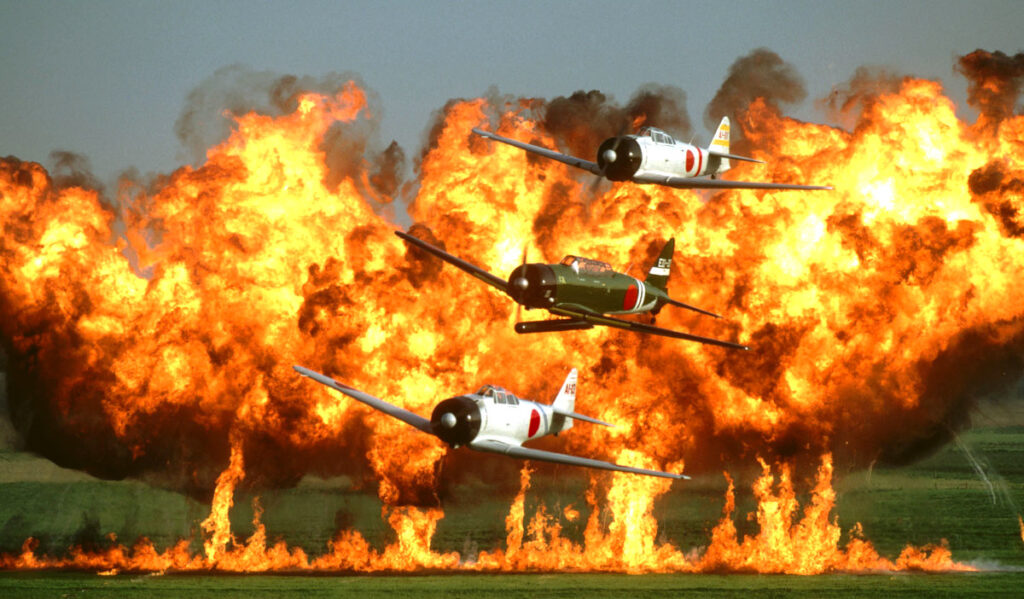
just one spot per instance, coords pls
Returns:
(496, 421)
(653, 156)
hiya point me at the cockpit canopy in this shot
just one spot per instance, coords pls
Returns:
(657, 135)
(498, 395)
(587, 266)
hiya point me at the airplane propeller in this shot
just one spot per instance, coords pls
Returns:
(520, 284)
(608, 156)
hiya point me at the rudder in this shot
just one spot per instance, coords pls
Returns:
(720, 144)
(658, 274)
(565, 401)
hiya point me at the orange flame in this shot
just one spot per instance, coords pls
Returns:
(856, 302)
(807, 546)
(218, 523)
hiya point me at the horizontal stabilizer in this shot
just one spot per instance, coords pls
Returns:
(576, 416)
(734, 157)
(678, 304)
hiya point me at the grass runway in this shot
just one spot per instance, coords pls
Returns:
(942, 497)
(511, 586)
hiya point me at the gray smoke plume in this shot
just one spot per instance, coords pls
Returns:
(236, 90)
(760, 74)
(994, 82)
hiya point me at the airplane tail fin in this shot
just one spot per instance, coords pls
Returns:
(719, 158)
(565, 403)
(658, 275)
(720, 145)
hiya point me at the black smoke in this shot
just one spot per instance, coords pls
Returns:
(761, 74)
(994, 81)
(582, 120)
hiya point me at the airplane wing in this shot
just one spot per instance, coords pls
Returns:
(564, 158)
(405, 416)
(527, 453)
(702, 183)
(476, 271)
(640, 327)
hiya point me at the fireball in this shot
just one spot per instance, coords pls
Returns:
(160, 326)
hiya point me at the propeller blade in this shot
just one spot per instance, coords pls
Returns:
(519, 305)
(623, 127)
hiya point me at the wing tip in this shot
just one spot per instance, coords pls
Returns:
(730, 345)
(663, 474)
(410, 238)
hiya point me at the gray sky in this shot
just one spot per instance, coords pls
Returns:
(108, 79)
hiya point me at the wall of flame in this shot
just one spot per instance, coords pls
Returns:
(160, 327)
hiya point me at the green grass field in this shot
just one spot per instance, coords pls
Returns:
(942, 497)
(474, 586)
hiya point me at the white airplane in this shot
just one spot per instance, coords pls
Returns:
(494, 420)
(652, 156)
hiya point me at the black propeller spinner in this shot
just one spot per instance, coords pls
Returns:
(532, 285)
(619, 158)
(456, 420)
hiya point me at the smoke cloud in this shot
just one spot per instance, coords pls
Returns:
(761, 74)
(859, 94)
(69, 169)
(584, 119)
(994, 83)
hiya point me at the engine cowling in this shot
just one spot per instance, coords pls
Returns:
(532, 285)
(456, 420)
(619, 158)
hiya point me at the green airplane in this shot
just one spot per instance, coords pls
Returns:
(585, 292)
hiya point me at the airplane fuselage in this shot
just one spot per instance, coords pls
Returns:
(652, 156)
(579, 283)
(493, 414)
